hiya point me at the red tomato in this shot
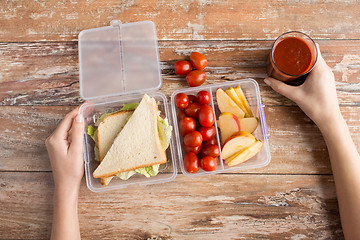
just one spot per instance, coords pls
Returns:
(211, 150)
(206, 116)
(193, 110)
(193, 139)
(195, 78)
(192, 98)
(181, 115)
(191, 162)
(209, 142)
(207, 132)
(186, 125)
(198, 60)
(203, 97)
(182, 67)
(181, 100)
(208, 163)
(195, 150)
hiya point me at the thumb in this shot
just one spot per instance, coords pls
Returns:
(77, 135)
(288, 91)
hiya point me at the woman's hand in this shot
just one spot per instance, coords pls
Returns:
(65, 148)
(316, 96)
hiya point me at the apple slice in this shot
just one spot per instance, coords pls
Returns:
(232, 94)
(248, 124)
(237, 143)
(226, 104)
(243, 100)
(228, 124)
(244, 155)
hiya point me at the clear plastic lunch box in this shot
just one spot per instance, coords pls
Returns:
(118, 65)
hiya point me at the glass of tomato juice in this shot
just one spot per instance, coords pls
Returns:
(293, 55)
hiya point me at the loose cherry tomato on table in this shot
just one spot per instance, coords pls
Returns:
(182, 67)
(208, 163)
(195, 78)
(191, 162)
(193, 110)
(192, 98)
(210, 142)
(181, 115)
(193, 139)
(206, 116)
(207, 132)
(211, 150)
(203, 97)
(198, 60)
(195, 150)
(181, 100)
(186, 125)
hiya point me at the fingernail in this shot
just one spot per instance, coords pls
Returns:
(79, 118)
(267, 81)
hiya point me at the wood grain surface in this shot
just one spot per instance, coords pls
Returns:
(223, 206)
(31, 20)
(292, 198)
(47, 73)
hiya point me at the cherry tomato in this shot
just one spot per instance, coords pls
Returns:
(193, 139)
(207, 132)
(191, 162)
(198, 60)
(211, 150)
(209, 142)
(193, 110)
(181, 115)
(208, 163)
(186, 125)
(195, 150)
(195, 78)
(181, 100)
(192, 98)
(203, 97)
(182, 67)
(206, 116)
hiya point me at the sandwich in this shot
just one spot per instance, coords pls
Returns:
(108, 129)
(130, 141)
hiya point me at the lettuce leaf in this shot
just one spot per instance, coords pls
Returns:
(129, 106)
(91, 131)
(164, 130)
(149, 171)
(146, 171)
(125, 175)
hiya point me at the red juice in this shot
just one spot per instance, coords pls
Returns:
(292, 56)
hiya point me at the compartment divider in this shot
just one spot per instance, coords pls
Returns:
(213, 99)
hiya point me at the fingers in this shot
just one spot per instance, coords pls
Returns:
(319, 70)
(320, 64)
(77, 135)
(288, 91)
(65, 125)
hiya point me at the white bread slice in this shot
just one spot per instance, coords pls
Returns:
(137, 145)
(108, 129)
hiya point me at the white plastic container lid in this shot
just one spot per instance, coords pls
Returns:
(119, 59)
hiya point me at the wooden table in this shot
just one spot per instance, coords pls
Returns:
(292, 198)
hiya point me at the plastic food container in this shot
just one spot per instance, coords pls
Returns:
(252, 93)
(118, 65)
